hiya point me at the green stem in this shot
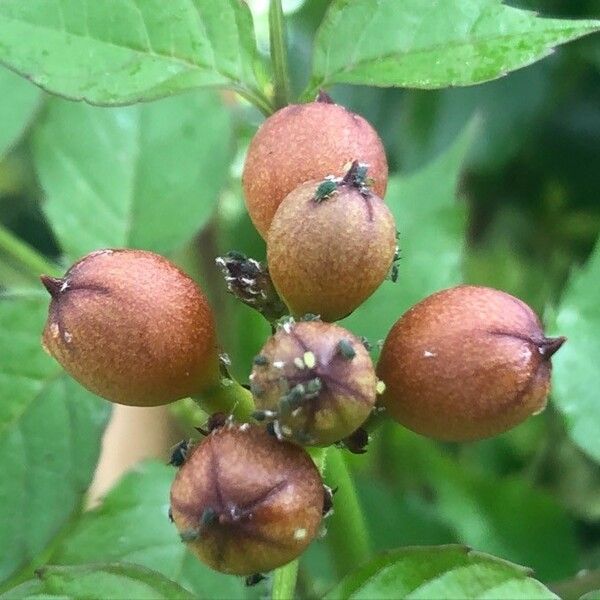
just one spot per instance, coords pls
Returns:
(257, 98)
(229, 397)
(347, 533)
(284, 581)
(278, 42)
(26, 256)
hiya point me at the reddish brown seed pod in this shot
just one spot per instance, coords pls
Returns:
(132, 327)
(314, 382)
(330, 246)
(304, 142)
(245, 502)
(466, 363)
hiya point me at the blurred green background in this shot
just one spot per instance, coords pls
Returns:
(497, 184)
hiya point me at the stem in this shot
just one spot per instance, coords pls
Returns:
(277, 39)
(229, 397)
(257, 98)
(347, 532)
(284, 581)
(34, 262)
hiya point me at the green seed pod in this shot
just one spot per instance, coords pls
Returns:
(314, 383)
(245, 502)
(466, 363)
(303, 142)
(328, 254)
(131, 327)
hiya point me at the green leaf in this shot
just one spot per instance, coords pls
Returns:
(106, 581)
(145, 176)
(125, 51)
(576, 378)
(18, 102)
(50, 432)
(440, 572)
(448, 43)
(132, 525)
(431, 223)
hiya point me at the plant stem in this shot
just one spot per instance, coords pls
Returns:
(229, 397)
(278, 43)
(34, 263)
(257, 98)
(347, 533)
(284, 581)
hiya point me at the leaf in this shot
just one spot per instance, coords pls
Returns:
(18, 102)
(431, 225)
(576, 378)
(125, 51)
(146, 176)
(50, 432)
(505, 516)
(132, 525)
(448, 43)
(440, 572)
(106, 581)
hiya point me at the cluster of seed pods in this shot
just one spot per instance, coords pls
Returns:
(465, 363)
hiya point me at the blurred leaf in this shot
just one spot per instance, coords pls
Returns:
(431, 224)
(146, 176)
(507, 517)
(124, 51)
(18, 103)
(132, 525)
(50, 432)
(593, 595)
(456, 42)
(440, 572)
(576, 375)
(106, 581)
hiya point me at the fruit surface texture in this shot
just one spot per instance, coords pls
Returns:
(132, 328)
(318, 381)
(466, 363)
(303, 142)
(328, 255)
(246, 502)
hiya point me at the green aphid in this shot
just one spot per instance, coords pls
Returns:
(209, 517)
(346, 350)
(261, 360)
(325, 190)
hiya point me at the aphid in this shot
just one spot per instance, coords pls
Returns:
(254, 579)
(326, 188)
(180, 453)
(345, 349)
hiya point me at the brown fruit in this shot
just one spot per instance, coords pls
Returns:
(303, 142)
(246, 502)
(466, 363)
(131, 327)
(314, 382)
(327, 255)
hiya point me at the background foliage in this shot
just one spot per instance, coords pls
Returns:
(492, 184)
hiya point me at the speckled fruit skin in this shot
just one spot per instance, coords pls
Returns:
(348, 385)
(302, 142)
(266, 498)
(466, 363)
(131, 327)
(328, 257)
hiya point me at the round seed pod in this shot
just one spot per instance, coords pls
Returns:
(245, 502)
(131, 327)
(314, 383)
(466, 363)
(330, 245)
(303, 142)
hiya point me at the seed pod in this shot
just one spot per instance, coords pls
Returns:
(131, 327)
(303, 142)
(245, 502)
(328, 253)
(466, 363)
(315, 383)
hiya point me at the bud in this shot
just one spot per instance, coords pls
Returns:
(131, 327)
(466, 363)
(245, 502)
